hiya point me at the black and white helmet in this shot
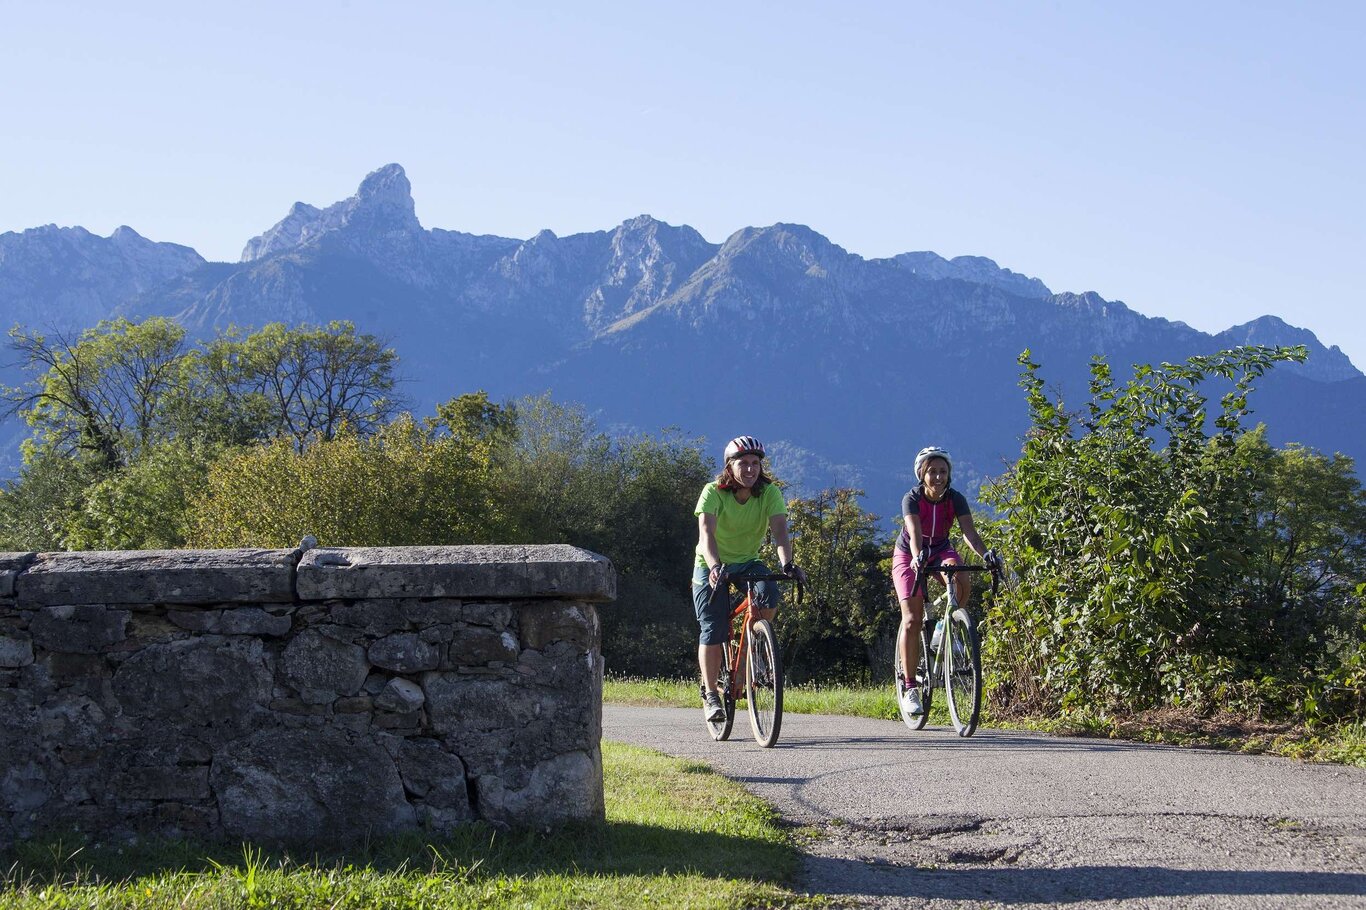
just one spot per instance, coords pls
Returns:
(924, 455)
(743, 445)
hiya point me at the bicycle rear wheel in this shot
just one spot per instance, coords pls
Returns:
(720, 729)
(764, 683)
(914, 721)
(963, 671)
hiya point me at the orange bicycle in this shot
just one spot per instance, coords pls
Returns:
(752, 654)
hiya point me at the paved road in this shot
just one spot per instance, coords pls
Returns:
(1009, 819)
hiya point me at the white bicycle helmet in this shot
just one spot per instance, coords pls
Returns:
(925, 454)
(743, 445)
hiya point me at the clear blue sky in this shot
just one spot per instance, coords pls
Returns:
(1200, 161)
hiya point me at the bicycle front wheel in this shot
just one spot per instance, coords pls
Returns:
(963, 671)
(720, 729)
(764, 683)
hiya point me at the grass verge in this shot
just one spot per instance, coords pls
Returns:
(1345, 744)
(677, 835)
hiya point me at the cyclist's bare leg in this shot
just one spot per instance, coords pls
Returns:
(908, 637)
(961, 586)
(709, 661)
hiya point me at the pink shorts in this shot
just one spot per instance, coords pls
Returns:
(903, 568)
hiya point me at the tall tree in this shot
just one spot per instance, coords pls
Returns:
(848, 603)
(307, 380)
(104, 395)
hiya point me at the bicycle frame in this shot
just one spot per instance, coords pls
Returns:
(744, 606)
(762, 686)
(955, 666)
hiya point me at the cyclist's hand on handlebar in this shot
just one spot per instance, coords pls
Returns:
(920, 559)
(717, 576)
(796, 572)
(994, 561)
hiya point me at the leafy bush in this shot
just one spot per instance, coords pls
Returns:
(1162, 565)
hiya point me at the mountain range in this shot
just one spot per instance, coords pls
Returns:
(845, 365)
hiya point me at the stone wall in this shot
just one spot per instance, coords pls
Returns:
(291, 695)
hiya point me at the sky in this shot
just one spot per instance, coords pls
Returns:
(1198, 161)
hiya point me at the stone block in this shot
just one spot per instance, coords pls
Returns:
(15, 652)
(544, 624)
(437, 611)
(195, 620)
(405, 652)
(409, 724)
(323, 669)
(150, 627)
(477, 647)
(178, 818)
(254, 621)
(435, 776)
(159, 576)
(23, 788)
(400, 696)
(62, 668)
(378, 617)
(162, 783)
(308, 786)
(547, 570)
(15, 562)
(213, 685)
(562, 790)
(78, 628)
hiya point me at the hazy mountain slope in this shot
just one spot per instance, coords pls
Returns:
(846, 365)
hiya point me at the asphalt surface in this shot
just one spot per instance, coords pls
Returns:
(897, 818)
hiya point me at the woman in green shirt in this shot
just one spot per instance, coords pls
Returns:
(734, 513)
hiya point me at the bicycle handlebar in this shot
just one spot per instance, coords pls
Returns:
(923, 578)
(737, 580)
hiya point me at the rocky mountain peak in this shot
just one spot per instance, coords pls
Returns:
(1326, 364)
(977, 269)
(385, 198)
(383, 205)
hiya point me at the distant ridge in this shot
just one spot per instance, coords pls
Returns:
(847, 364)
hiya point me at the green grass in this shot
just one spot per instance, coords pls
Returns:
(1345, 744)
(852, 701)
(677, 835)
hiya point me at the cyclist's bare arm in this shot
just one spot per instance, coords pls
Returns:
(782, 541)
(913, 534)
(777, 524)
(970, 535)
(706, 540)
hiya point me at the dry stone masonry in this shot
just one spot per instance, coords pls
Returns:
(299, 695)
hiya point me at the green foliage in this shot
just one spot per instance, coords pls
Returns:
(630, 499)
(128, 416)
(302, 383)
(1155, 559)
(104, 395)
(36, 508)
(406, 484)
(848, 603)
(147, 505)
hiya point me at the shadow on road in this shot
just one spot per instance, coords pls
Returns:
(985, 740)
(834, 876)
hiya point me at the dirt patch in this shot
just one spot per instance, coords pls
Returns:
(1182, 722)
